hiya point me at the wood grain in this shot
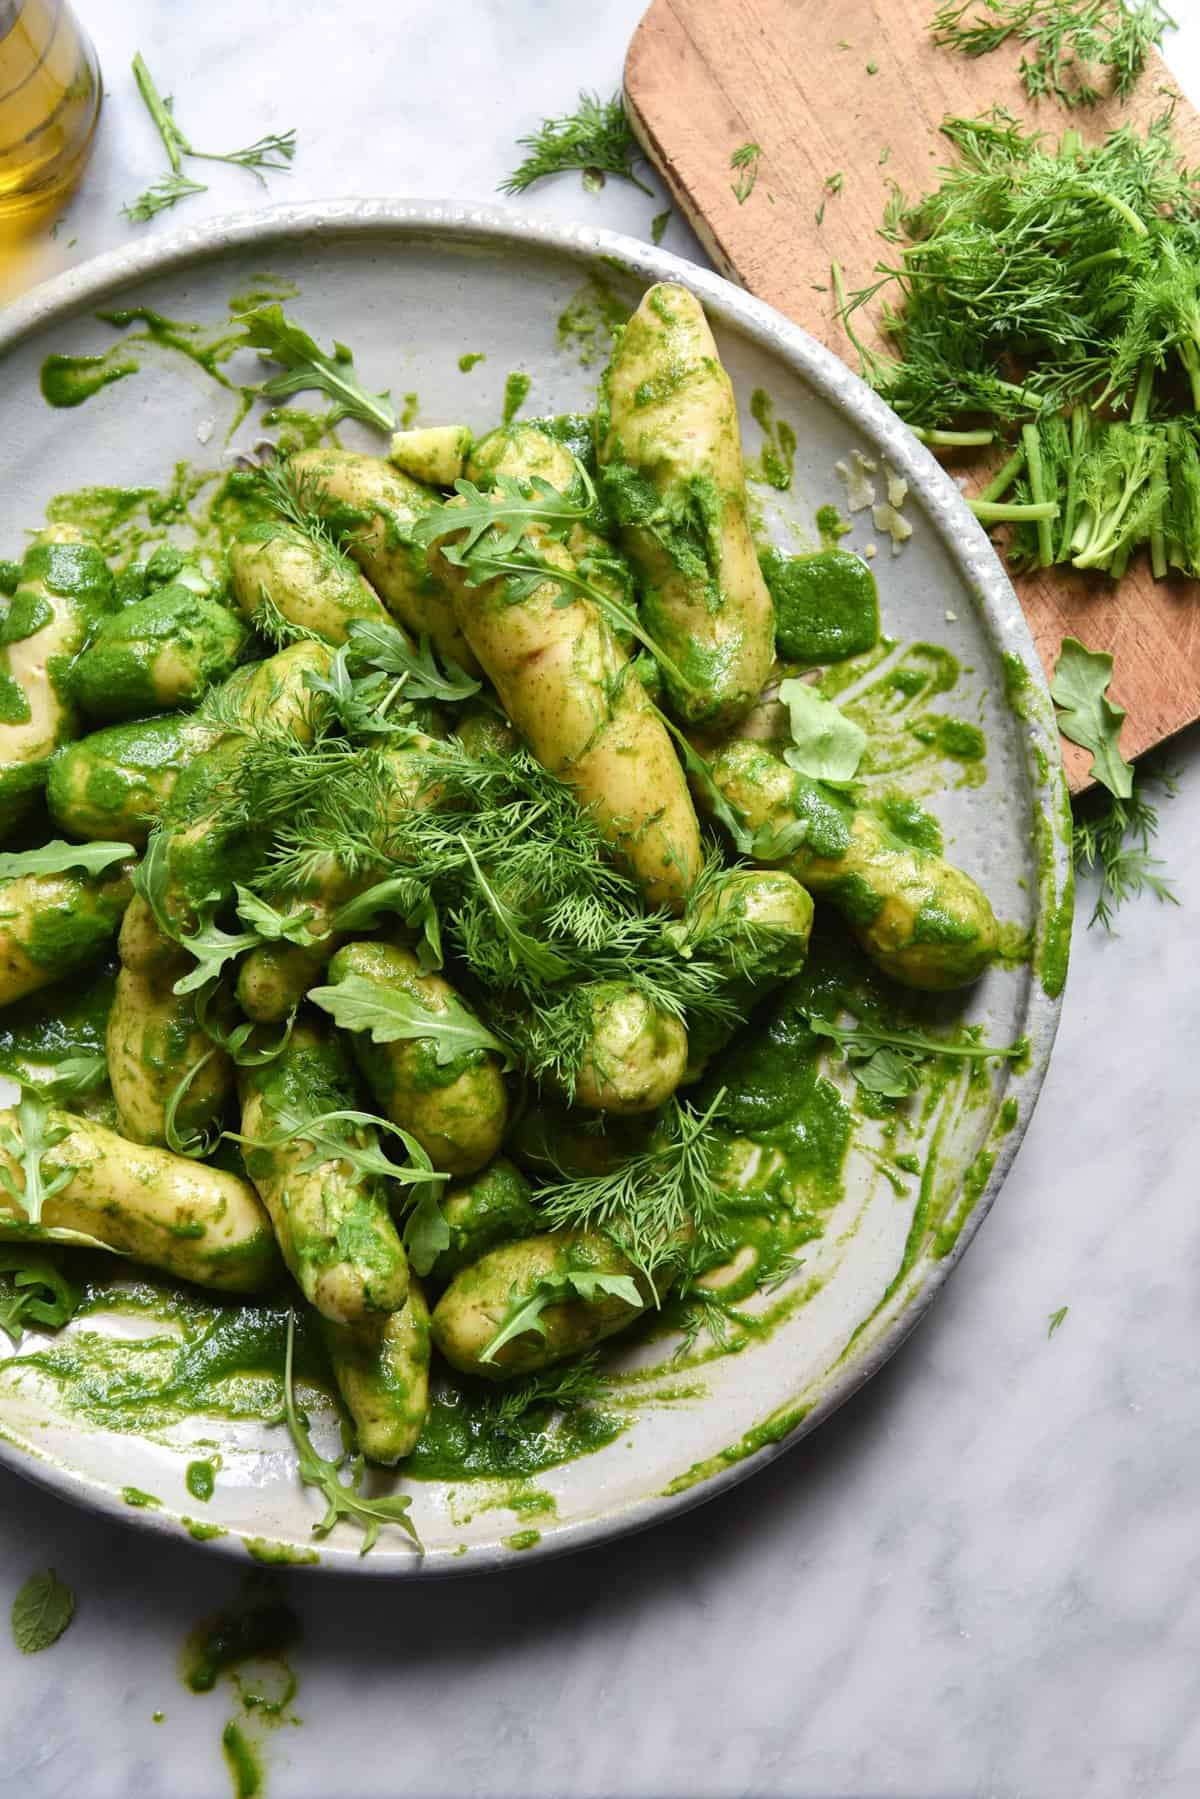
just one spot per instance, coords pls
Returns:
(703, 76)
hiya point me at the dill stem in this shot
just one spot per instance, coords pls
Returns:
(989, 514)
(1002, 480)
(953, 439)
(1037, 487)
(173, 139)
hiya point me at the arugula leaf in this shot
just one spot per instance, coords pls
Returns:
(308, 368)
(501, 515)
(392, 1016)
(71, 1077)
(426, 1233)
(331, 1144)
(213, 947)
(41, 1612)
(272, 925)
(34, 1135)
(1087, 716)
(887, 1062)
(411, 900)
(58, 858)
(317, 1471)
(386, 647)
(826, 745)
(197, 1145)
(41, 1294)
(524, 1316)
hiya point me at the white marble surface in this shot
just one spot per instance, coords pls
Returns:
(982, 1577)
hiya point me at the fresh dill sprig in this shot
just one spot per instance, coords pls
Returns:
(1066, 40)
(1112, 839)
(570, 1389)
(298, 498)
(595, 141)
(665, 1208)
(269, 154)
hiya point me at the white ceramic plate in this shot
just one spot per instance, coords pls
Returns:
(411, 288)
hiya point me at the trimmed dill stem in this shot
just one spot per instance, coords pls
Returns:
(1037, 487)
(1002, 480)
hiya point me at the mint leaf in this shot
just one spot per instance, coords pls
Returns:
(41, 1612)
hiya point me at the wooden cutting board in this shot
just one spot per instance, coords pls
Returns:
(704, 76)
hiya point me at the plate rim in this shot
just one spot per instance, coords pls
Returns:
(963, 539)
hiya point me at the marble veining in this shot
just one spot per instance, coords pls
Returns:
(983, 1576)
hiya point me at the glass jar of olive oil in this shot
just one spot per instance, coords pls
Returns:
(49, 103)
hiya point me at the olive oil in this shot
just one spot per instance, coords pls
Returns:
(49, 103)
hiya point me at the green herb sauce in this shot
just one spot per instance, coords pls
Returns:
(201, 1480)
(826, 604)
(778, 455)
(516, 392)
(588, 324)
(70, 380)
(523, 1539)
(471, 359)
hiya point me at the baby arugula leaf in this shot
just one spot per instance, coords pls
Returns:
(387, 648)
(392, 1015)
(1087, 716)
(41, 1293)
(41, 1612)
(332, 1141)
(317, 1471)
(426, 1233)
(500, 515)
(887, 1063)
(307, 368)
(826, 745)
(34, 1134)
(213, 947)
(524, 1315)
(57, 857)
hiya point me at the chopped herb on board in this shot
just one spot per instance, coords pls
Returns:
(1066, 43)
(744, 165)
(1055, 1319)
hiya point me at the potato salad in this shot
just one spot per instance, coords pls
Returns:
(477, 866)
